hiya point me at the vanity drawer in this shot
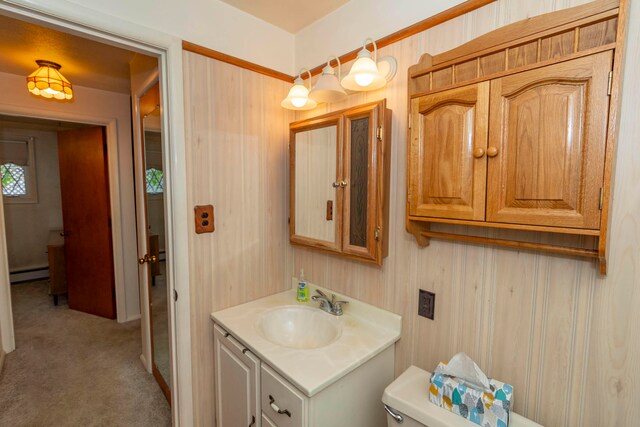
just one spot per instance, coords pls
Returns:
(278, 394)
(266, 422)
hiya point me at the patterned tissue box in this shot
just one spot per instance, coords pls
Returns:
(488, 409)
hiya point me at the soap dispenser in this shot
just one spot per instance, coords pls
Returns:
(302, 295)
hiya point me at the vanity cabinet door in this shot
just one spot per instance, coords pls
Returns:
(447, 153)
(237, 382)
(548, 129)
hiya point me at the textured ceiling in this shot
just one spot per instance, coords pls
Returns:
(290, 15)
(84, 62)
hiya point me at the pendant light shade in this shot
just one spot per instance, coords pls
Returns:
(48, 82)
(298, 97)
(368, 73)
(327, 88)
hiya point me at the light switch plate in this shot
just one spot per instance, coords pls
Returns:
(204, 219)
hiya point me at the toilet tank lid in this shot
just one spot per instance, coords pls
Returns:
(409, 394)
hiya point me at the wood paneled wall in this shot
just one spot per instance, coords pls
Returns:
(236, 137)
(550, 325)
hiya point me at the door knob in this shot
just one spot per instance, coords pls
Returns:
(148, 258)
(492, 151)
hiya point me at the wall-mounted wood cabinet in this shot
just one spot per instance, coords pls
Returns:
(518, 135)
(339, 182)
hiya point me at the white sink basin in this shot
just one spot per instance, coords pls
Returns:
(299, 327)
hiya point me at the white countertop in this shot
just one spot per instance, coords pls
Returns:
(366, 332)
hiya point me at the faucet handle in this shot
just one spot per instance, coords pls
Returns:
(322, 294)
(337, 307)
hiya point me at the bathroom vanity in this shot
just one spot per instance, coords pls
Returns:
(279, 362)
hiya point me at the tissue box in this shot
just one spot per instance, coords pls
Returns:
(488, 409)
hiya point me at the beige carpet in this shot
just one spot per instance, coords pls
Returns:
(75, 369)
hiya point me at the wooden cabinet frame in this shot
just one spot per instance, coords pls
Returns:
(377, 181)
(555, 38)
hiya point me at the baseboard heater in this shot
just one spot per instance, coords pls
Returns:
(20, 276)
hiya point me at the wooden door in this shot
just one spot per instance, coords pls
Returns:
(237, 382)
(360, 177)
(447, 153)
(548, 134)
(84, 184)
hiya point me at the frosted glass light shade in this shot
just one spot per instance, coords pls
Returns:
(298, 97)
(327, 88)
(364, 74)
(48, 82)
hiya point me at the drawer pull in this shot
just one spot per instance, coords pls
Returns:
(253, 421)
(272, 403)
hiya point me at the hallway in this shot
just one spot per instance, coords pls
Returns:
(75, 369)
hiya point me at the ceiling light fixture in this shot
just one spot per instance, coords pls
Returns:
(48, 82)
(327, 88)
(368, 73)
(298, 98)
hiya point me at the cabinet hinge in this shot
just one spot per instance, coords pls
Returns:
(610, 83)
(601, 197)
(376, 234)
(379, 133)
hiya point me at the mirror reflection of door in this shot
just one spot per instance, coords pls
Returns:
(155, 257)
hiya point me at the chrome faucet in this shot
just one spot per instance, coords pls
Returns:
(329, 305)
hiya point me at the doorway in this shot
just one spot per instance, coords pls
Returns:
(58, 346)
(114, 131)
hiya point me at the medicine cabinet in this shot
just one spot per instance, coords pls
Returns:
(339, 182)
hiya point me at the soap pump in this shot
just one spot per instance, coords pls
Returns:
(302, 294)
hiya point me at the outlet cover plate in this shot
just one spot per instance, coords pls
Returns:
(426, 304)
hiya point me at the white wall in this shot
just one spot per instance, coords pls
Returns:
(28, 224)
(346, 28)
(209, 23)
(95, 107)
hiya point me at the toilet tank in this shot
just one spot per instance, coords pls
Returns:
(407, 398)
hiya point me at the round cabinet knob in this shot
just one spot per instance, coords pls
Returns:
(336, 184)
(478, 153)
(492, 151)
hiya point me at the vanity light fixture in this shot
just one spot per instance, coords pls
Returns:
(298, 98)
(327, 88)
(48, 82)
(368, 73)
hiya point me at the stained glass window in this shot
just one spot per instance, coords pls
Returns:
(155, 181)
(13, 180)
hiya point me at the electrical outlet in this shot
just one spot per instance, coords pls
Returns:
(426, 304)
(204, 219)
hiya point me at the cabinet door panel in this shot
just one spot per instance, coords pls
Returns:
(361, 174)
(447, 129)
(549, 129)
(237, 382)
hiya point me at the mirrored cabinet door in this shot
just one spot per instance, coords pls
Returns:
(339, 182)
(315, 148)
